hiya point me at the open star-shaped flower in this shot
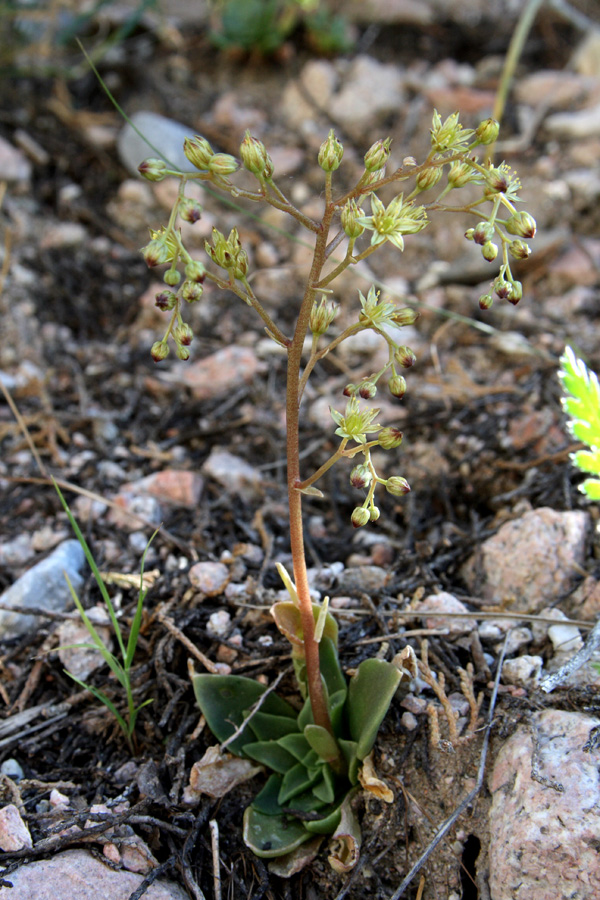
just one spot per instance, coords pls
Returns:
(391, 222)
(357, 423)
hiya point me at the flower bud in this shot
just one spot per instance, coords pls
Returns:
(172, 277)
(470, 234)
(390, 438)
(183, 334)
(165, 300)
(198, 151)
(377, 156)
(521, 224)
(485, 301)
(516, 293)
(405, 316)
(461, 173)
(361, 477)
(182, 352)
(496, 181)
(330, 153)
(322, 315)
(349, 390)
(156, 253)
(374, 513)
(487, 131)
(360, 516)
(195, 271)
(489, 251)
(153, 169)
(428, 178)
(350, 212)
(223, 164)
(397, 386)
(159, 351)
(503, 288)
(483, 232)
(254, 155)
(397, 486)
(190, 210)
(191, 291)
(519, 249)
(367, 390)
(405, 357)
(240, 268)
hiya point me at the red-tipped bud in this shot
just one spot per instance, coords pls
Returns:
(367, 390)
(521, 224)
(519, 249)
(428, 178)
(165, 301)
(377, 156)
(153, 169)
(195, 271)
(223, 164)
(191, 291)
(198, 151)
(360, 516)
(397, 386)
(485, 301)
(390, 438)
(405, 316)
(183, 334)
(190, 210)
(349, 390)
(182, 352)
(330, 153)
(483, 232)
(361, 477)
(405, 357)
(374, 513)
(159, 351)
(397, 486)
(489, 251)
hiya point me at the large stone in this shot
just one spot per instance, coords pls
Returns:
(530, 562)
(77, 875)
(544, 836)
(42, 587)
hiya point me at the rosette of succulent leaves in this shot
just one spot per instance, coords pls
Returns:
(319, 756)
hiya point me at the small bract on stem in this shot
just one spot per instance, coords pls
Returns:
(450, 165)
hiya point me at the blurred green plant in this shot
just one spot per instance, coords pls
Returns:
(582, 404)
(262, 26)
(121, 669)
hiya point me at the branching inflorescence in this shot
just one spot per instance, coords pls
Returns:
(499, 229)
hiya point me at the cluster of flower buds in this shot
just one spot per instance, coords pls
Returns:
(227, 253)
(203, 157)
(322, 314)
(255, 158)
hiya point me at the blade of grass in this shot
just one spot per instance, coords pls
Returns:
(137, 619)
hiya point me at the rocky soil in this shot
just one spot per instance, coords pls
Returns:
(492, 557)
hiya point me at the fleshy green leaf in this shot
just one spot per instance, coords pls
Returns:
(297, 745)
(369, 696)
(270, 727)
(225, 701)
(295, 781)
(269, 836)
(582, 403)
(321, 742)
(270, 754)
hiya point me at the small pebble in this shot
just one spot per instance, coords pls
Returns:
(409, 721)
(14, 833)
(210, 578)
(12, 769)
(219, 623)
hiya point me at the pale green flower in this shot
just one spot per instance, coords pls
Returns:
(389, 223)
(449, 135)
(356, 423)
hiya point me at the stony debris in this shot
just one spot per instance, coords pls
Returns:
(43, 586)
(78, 875)
(14, 165)
(14, 833)
(177, 487)
(530, 561)
(165, 134)
(217, 374)
(209, 578)
(434, 608)
(544, 816)
(235, 474)
(78, 660)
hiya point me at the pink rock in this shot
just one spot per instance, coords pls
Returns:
(77, 875)
(434, 609)
(210, 578)
(530, 561)
(235, 474)
(219, 373)
(543, 841)
(14, 833)
(178, 487)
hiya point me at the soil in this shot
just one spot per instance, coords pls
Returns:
(484, 440)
